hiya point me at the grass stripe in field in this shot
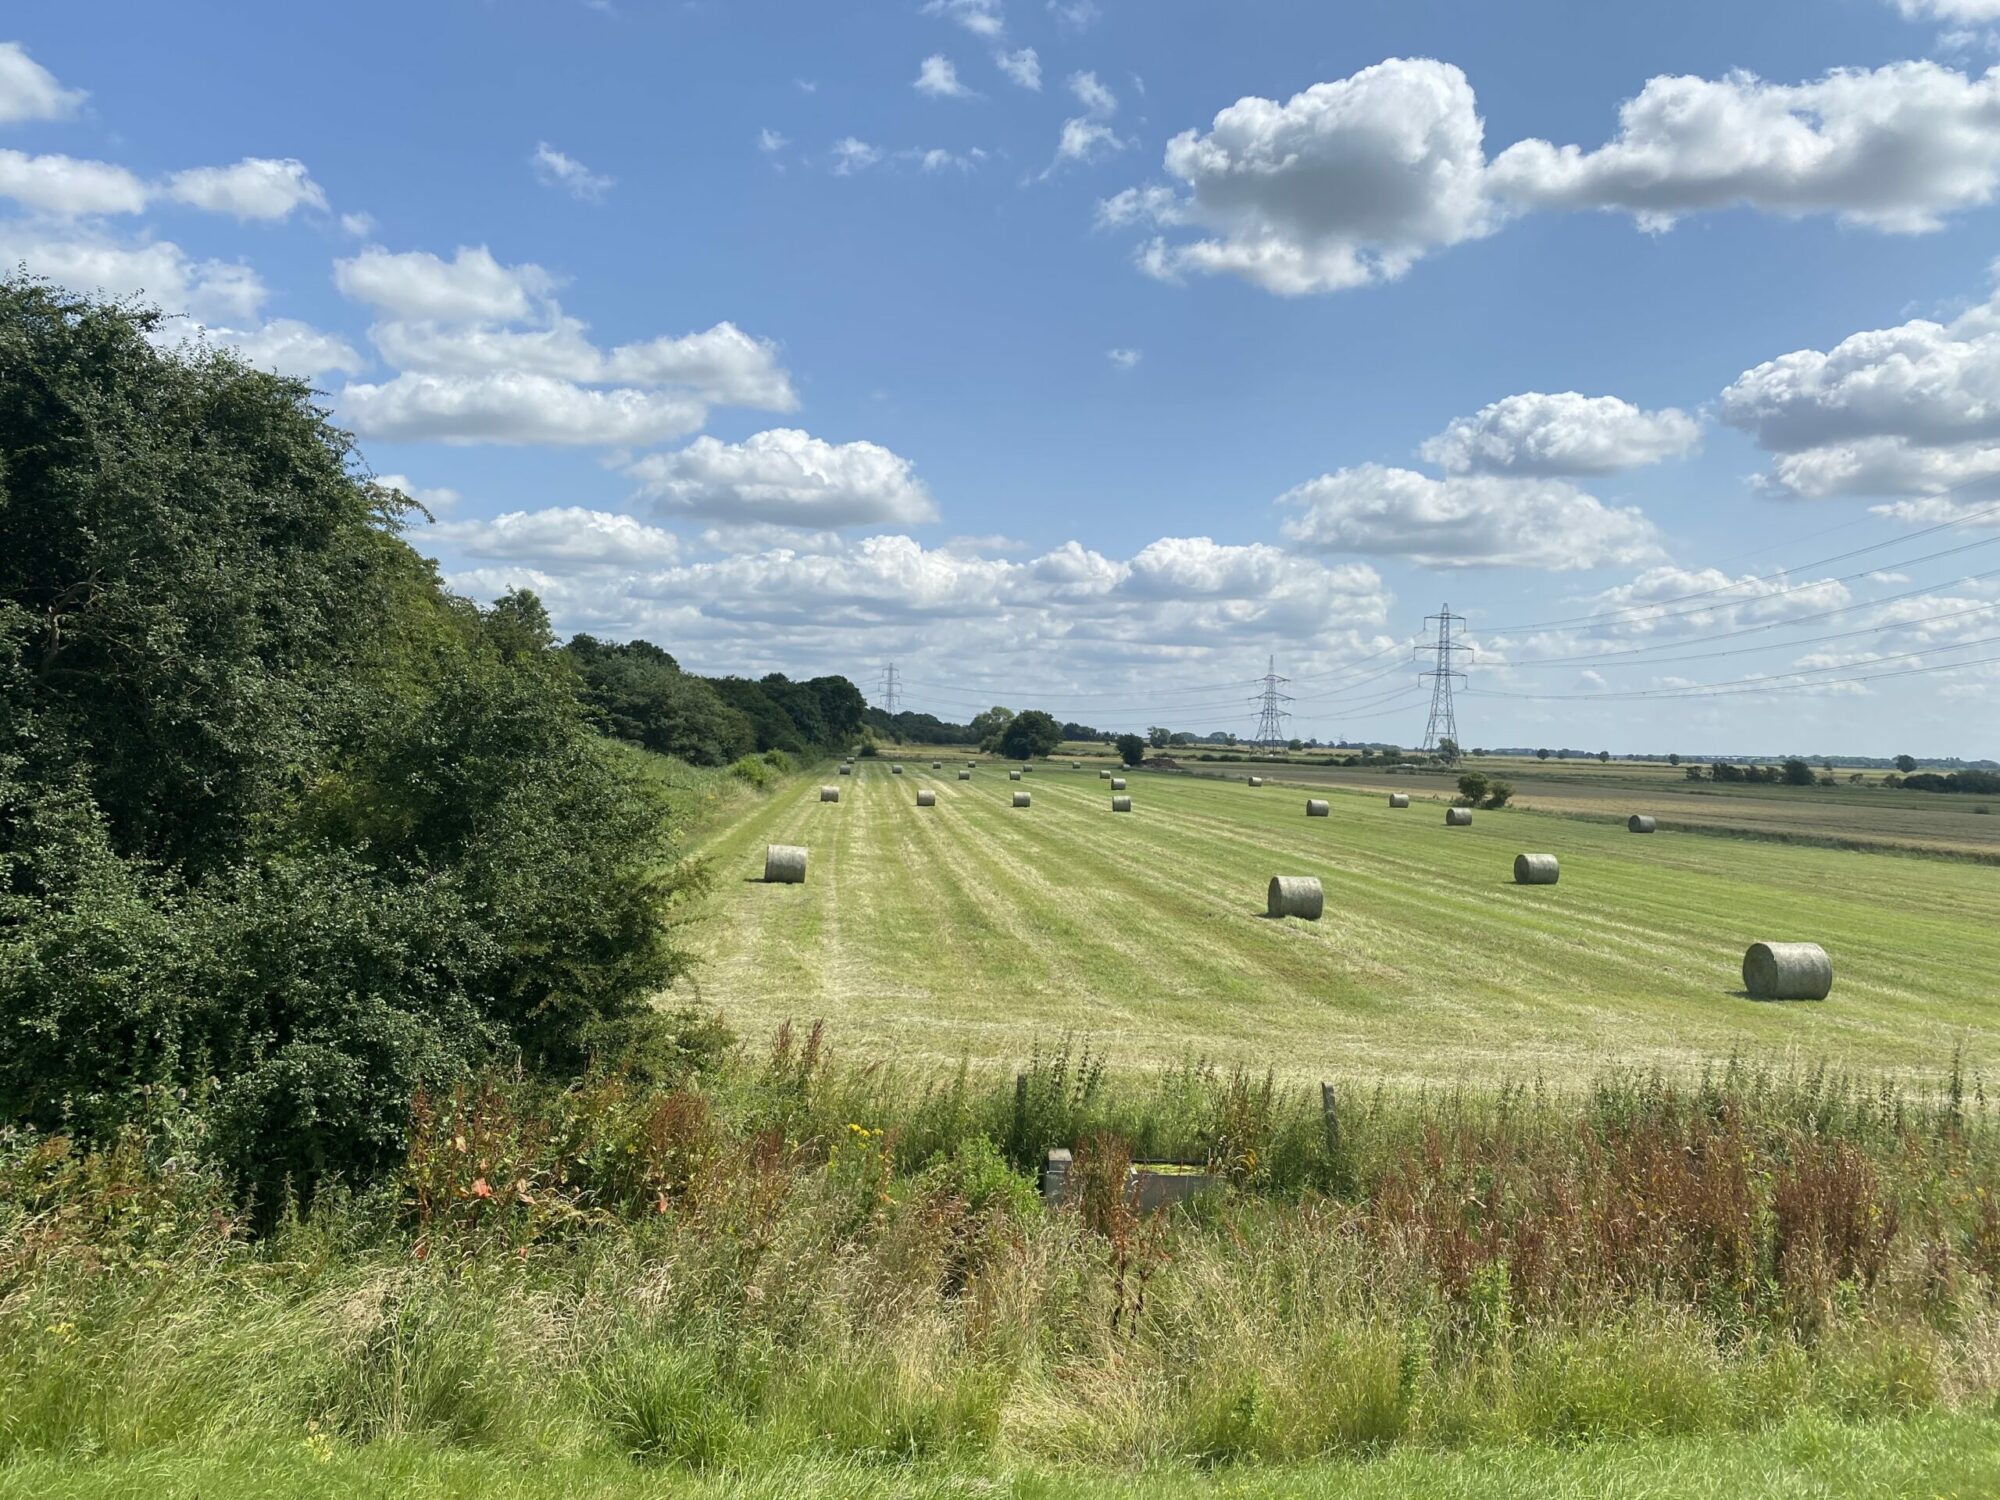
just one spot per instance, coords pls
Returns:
(971, 928)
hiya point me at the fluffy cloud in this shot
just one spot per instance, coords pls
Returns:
(1343, 184)
(29, 91)
(484, 355)
(937, 78)
(471, 287)
(86, 261)
(1909, 410)
(67, 187)
(1352, 182)
(1950, 10)
(556, 169)
(1895, 148)
(819, 605)
(770, 141)
(254, 188)
(562, 536)
(1124, 359)
(1464, 521)
(1023, 67)
(787, 477)
(724, 364)
(851, 155)
(1565, 433)
(290, 348)
(984, 18)
(515, 407)
(1092, 95)
(1084, 140)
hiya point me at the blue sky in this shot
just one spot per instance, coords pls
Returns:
(1085, 355)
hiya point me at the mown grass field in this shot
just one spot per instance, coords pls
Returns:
(973, 929)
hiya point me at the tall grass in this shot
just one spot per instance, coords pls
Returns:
(794, 1257)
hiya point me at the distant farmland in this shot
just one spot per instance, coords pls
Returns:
(972, 929)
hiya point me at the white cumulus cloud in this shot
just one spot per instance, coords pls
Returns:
(515, 407)
(471, 287)
(558, 169)
(88, 261)
(937, 78)
(1464, 521)
(29, 91)
(787, 477)
(1023, 67)
(984, 18)
(561, 536)
(1561, 434)
(68, 187)
(260, 188)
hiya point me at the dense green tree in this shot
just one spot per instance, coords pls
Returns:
(1798, 773)
(288, 829)
(1030, 734)
(1131, 749)
(1906, 763)
(639, 693)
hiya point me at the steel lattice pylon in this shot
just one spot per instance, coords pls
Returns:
(1271, 718)
(1443, 723)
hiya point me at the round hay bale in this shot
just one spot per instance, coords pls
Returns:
(1076, 765)
(895, 770)
(1295, 896)
(937, 765)
(971, 765)
(1315, 808)
(1458, 817)
(965, 776)
(847, 770)
(1640, 823)
(1787, 971)
(1399, 799)
(784, 864)
(829, 794)
(1020, 799)
(1118, 783)
(1026, 767)
(1013, 775)
(927, 798)
(1103, 775)
(1256, 781)
(1121, 804)
(1536, 869)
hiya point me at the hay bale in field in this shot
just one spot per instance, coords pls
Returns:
(937, 765)
(1399, 799)
(1103, 775)
(784, 864)
(1787, 971)
(1295, 896)
(1458, 817)
(927, 798)
(1121, 804)
(1536, 869)
(1640, 823)
(895, 770)
(1020, 799)
(971, 765)
(829, 794)
(1026, 767)
(1013, 775)
(1118, 783)
(1076, 765)
(1316, 808)
(1256, 781)
(846, 770)
(965, 776)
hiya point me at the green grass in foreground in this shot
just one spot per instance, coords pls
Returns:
(1808, 1459)
(962, 930)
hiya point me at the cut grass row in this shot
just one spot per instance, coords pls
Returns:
(971, 928)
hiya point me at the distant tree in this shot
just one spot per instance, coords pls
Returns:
(987, 726)
(1798, 773)
(1030, 734)
(1906, 763)
(1497, 794)
(1447, 750)
(1295, 744)
(1673, 760)
(1541, 755)
(1604, 757)
(1131, 749)
(1157, 737)
(1694, 773)
(1478, 753)
(1473, 788)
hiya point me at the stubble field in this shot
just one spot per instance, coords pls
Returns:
(973, 929)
